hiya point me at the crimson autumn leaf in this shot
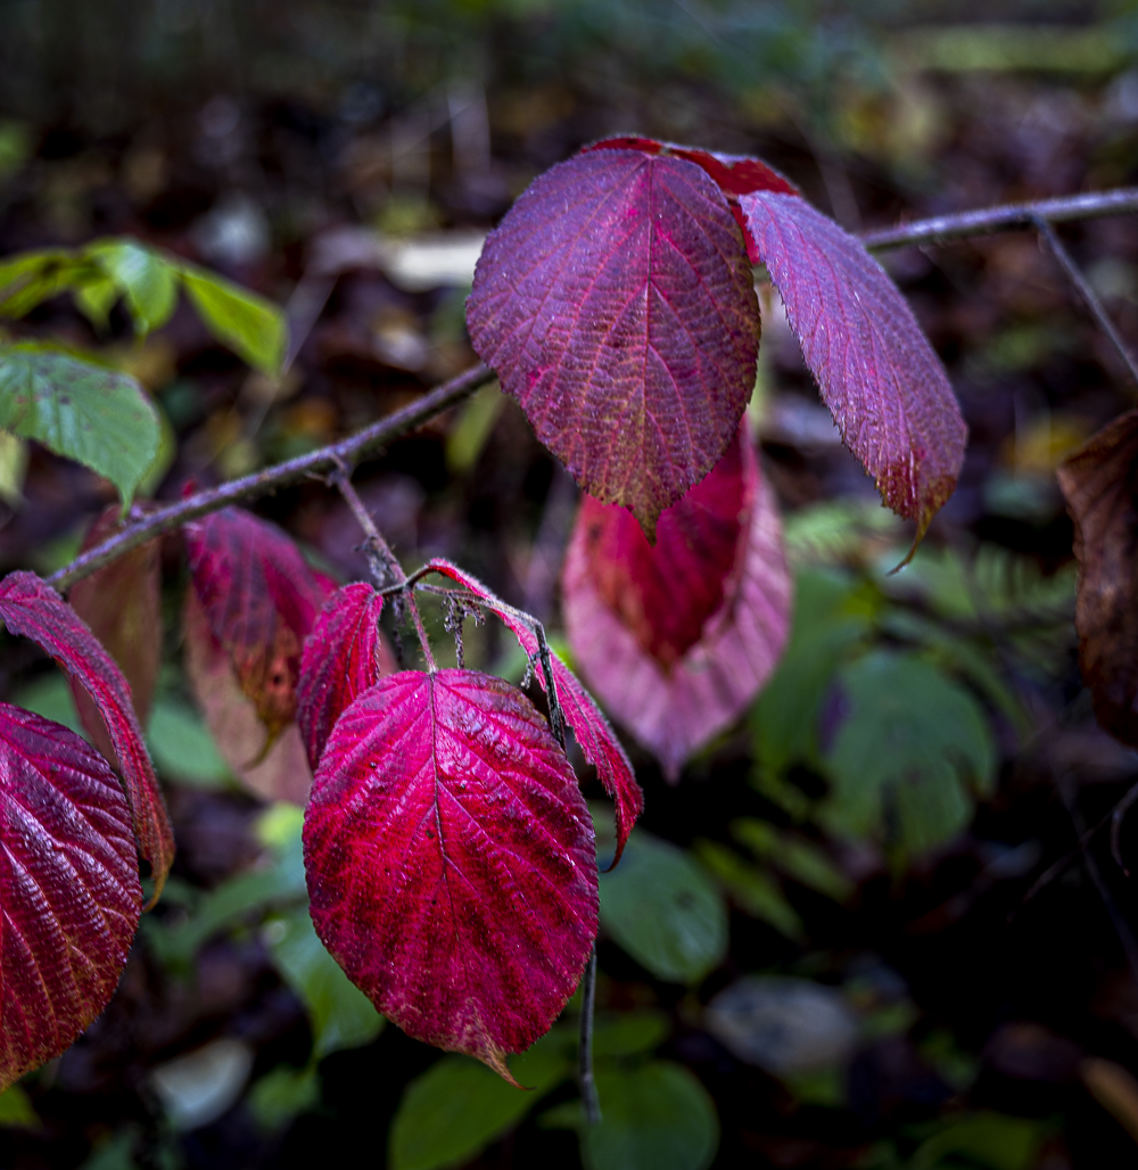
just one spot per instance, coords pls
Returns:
(1100, 484)
(590, 728)
(616, 304)
(451, 862)
(69, 891)
(677, 639)
(260, 598)
(121, 604)
(344, 655)
(880, 378)
(30, 607)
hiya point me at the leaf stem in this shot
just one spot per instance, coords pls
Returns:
(590, 1102)
(385, 566)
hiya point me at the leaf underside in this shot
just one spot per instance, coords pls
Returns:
(70, 897)
(877, 373)
(30, 607)
(616, 304)
(678, 638)
(1100, 485)
(451, 862)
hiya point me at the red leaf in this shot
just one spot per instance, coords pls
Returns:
(451, 862)
(272, 767)
(601, 747)
(344, 655)
(69, 891)
(617, 306)
(676, 640)
(878, 374)
(30, 607)
(121, 604)
(260, 598)
(1100, 484)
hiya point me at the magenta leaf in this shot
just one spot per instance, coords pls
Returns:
(69, 891)
(616, 304)
(451, 862)
(343, 656)
(677, 639)
(880, 378)
(601, 747)
(30, 607)
(260, 598)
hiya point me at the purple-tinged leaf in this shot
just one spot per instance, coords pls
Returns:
(616, 304)
(677, 639)
(1100, 485)
(260, 598)
(274, 768)
(344, 655)
(121, 604)
(69, 891)
(451, 862)
(880, 378)
(592, 731)
(30, 607)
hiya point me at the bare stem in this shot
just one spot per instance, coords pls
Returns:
(960, 224)
(345, 453)
(385, 566)
(589, 1099)
(1083, 288)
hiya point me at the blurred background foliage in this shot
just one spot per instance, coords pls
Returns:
(888, 921)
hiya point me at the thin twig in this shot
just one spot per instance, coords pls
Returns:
(589, 1099)
(385, 566)
(960, 224)
(1090, 297)
(346, 452)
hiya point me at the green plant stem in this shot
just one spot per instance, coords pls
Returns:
(346, 453)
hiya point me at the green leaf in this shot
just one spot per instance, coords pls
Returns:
(629, 1033)
(95, 299)
(30, 278)
(251, 326)
(983, 1139)
(664, 910)
(182, 747)
(85, 412)
(340, 1014)
(283, 1093)
(458, 1107)
(16, 1109)
(655, 1117)
(907, 757)
(147, 280)
(795, 856)
(753, 889)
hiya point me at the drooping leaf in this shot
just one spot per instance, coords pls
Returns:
(260, 599)
(880, 378)
(148, 280)
(274, 766)
(121, 604)
(29, 278)
(908, 756)
(654, 1117)
(70, 897)
(663, 909)
(451, 862)
(252, 327)
(32, 608)
(677, 638)
(96, 416)
(344, 655)
(594, 735)
(455, 1109)
(1100, 484)
(616, 304)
